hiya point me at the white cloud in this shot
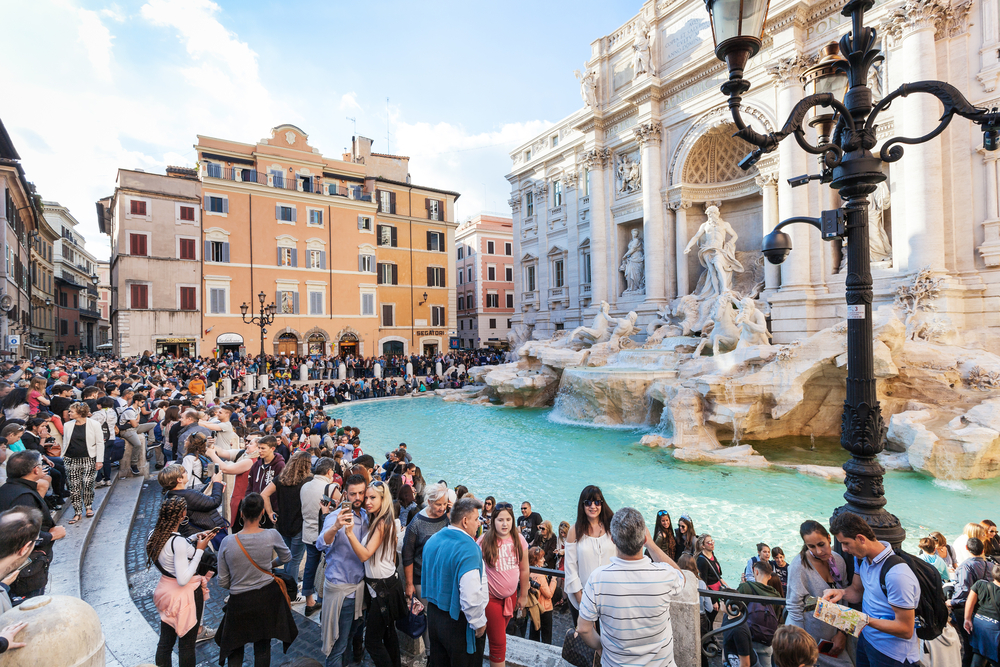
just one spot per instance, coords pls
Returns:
(114, 12)
(449, 157)
(96, 40)
(349, 101)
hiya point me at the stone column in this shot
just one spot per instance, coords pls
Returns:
(595, 161)
(670, 249)
(793, 161)
(990, 249)
(769, 189)
(681, 231)
(922, 238)
(648, 136)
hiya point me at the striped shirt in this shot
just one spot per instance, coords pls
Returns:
(630, 599)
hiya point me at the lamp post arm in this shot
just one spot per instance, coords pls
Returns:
(799, 218)
(954, 103)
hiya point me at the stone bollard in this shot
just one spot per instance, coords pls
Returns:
(342, 371)
(685, 621)
(227, 387)
(438, 369)
(263, 381)
(411, 651)
(209, 394)
(377, 370)
(303, 373)
(61, 630)
(409, 368)
(250, 383)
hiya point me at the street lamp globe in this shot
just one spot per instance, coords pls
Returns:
(244, 308)
(738, 31)
(261, 297)
(829, 75)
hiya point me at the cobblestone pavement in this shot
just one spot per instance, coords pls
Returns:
(142, 583)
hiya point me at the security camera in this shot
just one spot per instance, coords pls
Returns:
(751, 159)
(991, 138)
(776, 246)
(796, 181)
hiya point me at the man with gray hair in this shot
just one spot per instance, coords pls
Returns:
(630, 597)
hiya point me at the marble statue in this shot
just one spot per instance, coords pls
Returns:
(518, 336)
(624, 329)
(629, 175)
(633, 266)
(641, 52)
(725, 334)
(588, 87)
(598, 332)
(752, 324)
(717, 253)
(878, 240)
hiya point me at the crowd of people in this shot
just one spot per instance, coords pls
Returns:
(277, 501)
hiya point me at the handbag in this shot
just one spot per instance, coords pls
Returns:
(414, 622)
(576, 652)
(280, 577)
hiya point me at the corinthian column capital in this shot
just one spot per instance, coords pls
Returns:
(786, 71)
(647, 133)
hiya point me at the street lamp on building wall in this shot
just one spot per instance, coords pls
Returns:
(847, 137)
(265, 318)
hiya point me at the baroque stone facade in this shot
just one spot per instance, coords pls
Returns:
(622, 184)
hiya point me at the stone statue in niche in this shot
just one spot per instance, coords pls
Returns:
(641, 51)
(629, 175)
(633, 266)
(588, 87)
(716, 241)
(878, 240)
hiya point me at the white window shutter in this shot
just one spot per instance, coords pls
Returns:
(295, 302)
(277, 211)
(295, 211)
(225, 252)
(225, 205)
(322, 259)
(295, 257)
(208, 251)
(279, 255)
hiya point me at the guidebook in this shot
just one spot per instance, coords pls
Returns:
(843, 618)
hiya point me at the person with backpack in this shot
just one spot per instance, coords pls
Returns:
(114, 448)
(889, 593)
(135, 452)
(973, 569)
(763, 618)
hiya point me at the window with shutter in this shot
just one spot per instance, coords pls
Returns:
(138, 207)
(137, 244)
(461, 303)
(510, 299)
(508, 249)
(187, 249)
(217, 204)
(490, 248)
(315, 217)
(187, 213)
(392, 204)
(315, 303)
(368, 304)
(387, 319)
(491, 273)
(395, 274)
(140, 300)
(188, 298)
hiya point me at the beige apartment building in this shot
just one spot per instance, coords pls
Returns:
(154, 222)
(484, 254)
(43, 294)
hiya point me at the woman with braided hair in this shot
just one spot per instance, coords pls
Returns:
(180, 595)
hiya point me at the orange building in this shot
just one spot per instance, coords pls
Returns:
(354, 256)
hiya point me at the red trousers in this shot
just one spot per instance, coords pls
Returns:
(496, 629)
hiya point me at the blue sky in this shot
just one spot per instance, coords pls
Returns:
(93, 86)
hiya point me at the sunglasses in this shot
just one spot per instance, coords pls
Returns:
(504, 506)
(662, 513)
(378, 484)
(592, 503)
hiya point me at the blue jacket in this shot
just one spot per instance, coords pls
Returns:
(447, 556)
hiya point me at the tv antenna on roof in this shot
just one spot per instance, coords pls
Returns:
(355, 121)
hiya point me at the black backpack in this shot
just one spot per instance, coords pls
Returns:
(931, 614)
(763, 622)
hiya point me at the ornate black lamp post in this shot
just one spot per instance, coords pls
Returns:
(847, 136)
(265, 317)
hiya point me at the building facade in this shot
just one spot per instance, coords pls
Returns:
(484, 255)
(75, 291)
(104, 343)
(20, 213)
(652, 148)
(43, 289)
(354, 256)
(154, 222)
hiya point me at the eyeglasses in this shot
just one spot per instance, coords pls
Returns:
(504, 506)
(592, 503)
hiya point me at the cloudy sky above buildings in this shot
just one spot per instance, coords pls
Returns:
(91, 86)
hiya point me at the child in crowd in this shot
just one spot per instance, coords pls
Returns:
(928, 551)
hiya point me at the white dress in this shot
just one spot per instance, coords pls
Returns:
(583, 557)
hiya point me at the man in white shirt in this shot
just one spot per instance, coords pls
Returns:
(225, 434)
(631, 598)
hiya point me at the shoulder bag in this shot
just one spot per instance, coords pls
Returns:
(289, 587)
(576, 652)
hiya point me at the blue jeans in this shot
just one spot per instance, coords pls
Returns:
(294, 545)
(348, 628)
(869, 656)
(312, 564)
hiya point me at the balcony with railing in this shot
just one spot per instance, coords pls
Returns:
(92, 314)
(282, 182)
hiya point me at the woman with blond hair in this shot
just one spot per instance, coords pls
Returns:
(383, 589)
(971, 530)
(285, 489)
(36, 395)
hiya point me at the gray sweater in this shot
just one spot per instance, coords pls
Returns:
(237, 573)
(418, 531)
(802, 582)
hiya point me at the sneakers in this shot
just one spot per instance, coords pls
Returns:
(312, 609)
(135, 472)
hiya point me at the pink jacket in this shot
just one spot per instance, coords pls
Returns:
(176, 603)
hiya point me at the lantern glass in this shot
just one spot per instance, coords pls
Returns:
(244, 308)
(737, 18)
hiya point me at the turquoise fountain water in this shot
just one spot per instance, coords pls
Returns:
(521, 454)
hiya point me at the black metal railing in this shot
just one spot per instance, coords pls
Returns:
(93, 314)
(283, 182)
